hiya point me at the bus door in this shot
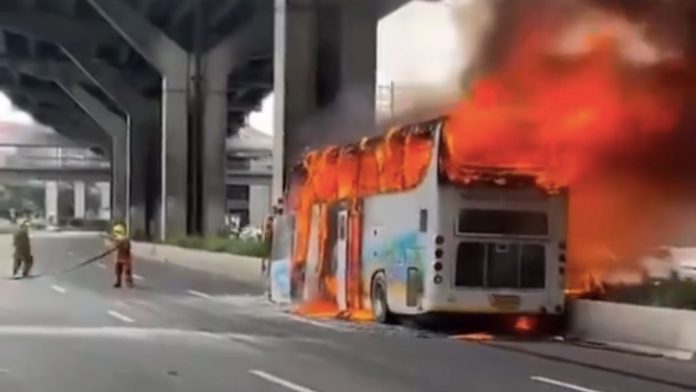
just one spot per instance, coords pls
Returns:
(342, 261)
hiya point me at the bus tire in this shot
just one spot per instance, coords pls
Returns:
(378, 297)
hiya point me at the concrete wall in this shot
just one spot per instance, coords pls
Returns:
(669, 332)
(242, 268)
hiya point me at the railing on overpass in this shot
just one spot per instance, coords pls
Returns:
(71, 162)
(49, 168)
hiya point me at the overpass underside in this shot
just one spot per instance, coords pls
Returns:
(157, 86)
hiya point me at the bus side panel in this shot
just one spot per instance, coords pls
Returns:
(281, 256)
(398, 240)
(392, 244)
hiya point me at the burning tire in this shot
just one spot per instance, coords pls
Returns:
(378, 297)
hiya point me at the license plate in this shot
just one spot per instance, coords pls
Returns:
(505, 302)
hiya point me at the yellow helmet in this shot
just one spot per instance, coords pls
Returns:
(119, 230)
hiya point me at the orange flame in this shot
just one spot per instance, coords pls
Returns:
(605, 126)
(525, 324)
(395, 162)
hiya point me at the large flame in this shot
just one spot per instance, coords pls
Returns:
(588, 99)
(395, 162)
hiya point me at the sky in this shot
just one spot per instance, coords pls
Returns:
(263, 119)
(8, 113)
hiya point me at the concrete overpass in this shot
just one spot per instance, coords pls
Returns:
(157, 85)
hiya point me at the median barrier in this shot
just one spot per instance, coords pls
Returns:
(241, 268)
(669, 332)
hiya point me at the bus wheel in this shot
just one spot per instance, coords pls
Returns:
(378, 296)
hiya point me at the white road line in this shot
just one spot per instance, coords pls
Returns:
(101, 265)
(562, 384)
(199, 294)
(277, 380)
(138, 277)
(59, 289)
(120, 316)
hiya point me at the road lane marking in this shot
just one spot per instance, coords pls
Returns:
(120, 316)
(562, 384)
(101, 265)
(199, 294)
(58, 289)
(280, 381)
(138, 277)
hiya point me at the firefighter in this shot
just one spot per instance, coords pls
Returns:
(22, 250)
(123, 265)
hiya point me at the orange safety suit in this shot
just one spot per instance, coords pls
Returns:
(123, 265)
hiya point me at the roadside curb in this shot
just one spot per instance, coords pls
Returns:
(241, 268)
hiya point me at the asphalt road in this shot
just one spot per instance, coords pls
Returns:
(182, 330)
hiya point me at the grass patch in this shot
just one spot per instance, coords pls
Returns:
(235, 246)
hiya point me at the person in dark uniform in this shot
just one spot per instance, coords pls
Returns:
(22, 250)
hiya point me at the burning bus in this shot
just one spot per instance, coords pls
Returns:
(399, 225)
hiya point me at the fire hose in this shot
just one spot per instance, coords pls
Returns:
(84, 263)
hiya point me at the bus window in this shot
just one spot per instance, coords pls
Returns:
(471, 257)
(502, 265)
(504, 222)
(533, 267)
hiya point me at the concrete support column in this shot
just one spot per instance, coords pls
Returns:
(79, 193)
(172, 62)
(173, 208)
(51, 202)
(119, 187)
(118, 129)
(294, 87)
(259, 204)
(217, 64)
(104, 200)
(137, 182)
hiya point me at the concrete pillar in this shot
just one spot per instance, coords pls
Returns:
(119, 187)
(104, 200)
(218, 62)
(217, 65)
(172, 62)
(173, 208)
(51, 202)
(259, 204)
(294, 81)
(118, 129)
(79, 199)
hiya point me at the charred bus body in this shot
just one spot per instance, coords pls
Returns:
(386, 231)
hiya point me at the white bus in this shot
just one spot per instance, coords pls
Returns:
(493, 244)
